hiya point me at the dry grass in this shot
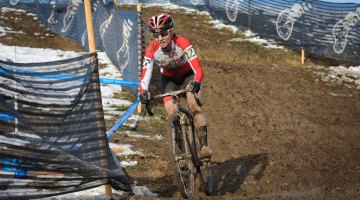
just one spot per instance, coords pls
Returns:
(33, 34)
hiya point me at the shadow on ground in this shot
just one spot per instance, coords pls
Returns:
(230, 175)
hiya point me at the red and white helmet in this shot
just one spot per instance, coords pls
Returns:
(160, 22)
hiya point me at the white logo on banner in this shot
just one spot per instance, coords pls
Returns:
(69, 16)
(231, 9)
(95, 6)
(342, 28)
(53, 16)
(105, 25)
(123, 53)
(83, 38)
(14, 2)
(287, 17)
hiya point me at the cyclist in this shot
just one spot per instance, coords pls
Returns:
(179, 67)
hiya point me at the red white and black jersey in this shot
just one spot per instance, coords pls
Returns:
(179, 60)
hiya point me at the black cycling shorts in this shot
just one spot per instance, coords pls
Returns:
(173, 84)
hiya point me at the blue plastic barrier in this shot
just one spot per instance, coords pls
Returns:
(118, 82)
(121, 121)
(6, 117)
(12, 165)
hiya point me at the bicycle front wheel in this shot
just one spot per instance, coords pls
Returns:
(185, 169)
(202, 166)
(206, 177)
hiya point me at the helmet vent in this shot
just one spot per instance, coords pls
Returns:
(155, 20)
(161, 20)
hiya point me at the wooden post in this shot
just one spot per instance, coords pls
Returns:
(302, 35)
(139, 41)
(92, 49)
(249, 33)
(116, 4)
(302, 56)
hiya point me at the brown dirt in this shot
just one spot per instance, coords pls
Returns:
(277, 130)
(277, 133)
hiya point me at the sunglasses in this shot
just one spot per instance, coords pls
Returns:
(162, 33)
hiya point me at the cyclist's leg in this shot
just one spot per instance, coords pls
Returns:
(199, 120)
(168, 84)
(199, 117)
(200, 126)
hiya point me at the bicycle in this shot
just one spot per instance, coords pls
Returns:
(185, 147)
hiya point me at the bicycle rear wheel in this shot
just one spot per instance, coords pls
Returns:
(183, 160)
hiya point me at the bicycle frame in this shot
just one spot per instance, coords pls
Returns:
(175, 96)
(186, 150)
(181, 112)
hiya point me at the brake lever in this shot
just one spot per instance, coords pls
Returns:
(148, 109)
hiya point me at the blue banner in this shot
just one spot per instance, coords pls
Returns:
(115, 30)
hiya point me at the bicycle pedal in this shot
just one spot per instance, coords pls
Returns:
(205, 160)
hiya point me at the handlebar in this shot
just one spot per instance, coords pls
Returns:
(173, 94)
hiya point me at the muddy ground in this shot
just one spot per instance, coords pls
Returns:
(276, 133)
(277, 130)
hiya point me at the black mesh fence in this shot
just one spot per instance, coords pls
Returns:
(53, 140)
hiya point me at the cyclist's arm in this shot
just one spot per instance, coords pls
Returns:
(147, 69)
(192, 58)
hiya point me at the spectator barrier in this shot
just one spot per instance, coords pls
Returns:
(321, 28)
(115, 30)
(57, 146)
(119, 122)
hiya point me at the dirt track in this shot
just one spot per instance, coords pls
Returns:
(277, 133)
(282, 132)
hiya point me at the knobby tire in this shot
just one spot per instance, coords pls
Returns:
(203, 167)
(181, 153)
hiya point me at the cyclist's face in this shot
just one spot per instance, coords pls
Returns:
(163, 38)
